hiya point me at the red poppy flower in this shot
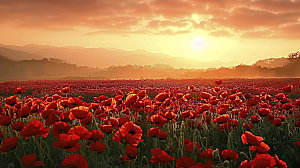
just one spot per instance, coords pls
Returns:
(18, 126)
(51, 116)
(130, 132)
(75, 161)
(169, 115)
(5, 120)
(158, 120)
(207, 153)
(11, 101)
(277, 122)
(287, 88)
(98, 147)
(130, 99)
(246, 164)
(19, 90)
(80, 131)
(205, 95)
(263, 112)
(30, 161)
(122, 120)
(162, 135)
(153, 132)
(247, 126)
(24, 112)
(218, 82)
(60, 128)
(95, 135)
(68, 142)
(230, 155)
(34, 128)
(9, 144)
(255, 119)
(190, 146)
(65, 90)
(131, 151)
(249, 138)
(280, 163)
(160, 156)
(162, 97)
(185, 162)
(222, 118)
(79, 113)
(263, 160)
(87, 121)
(111, 121)
(107, 128)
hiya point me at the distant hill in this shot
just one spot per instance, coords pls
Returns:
(106, 57)
(45, 68)
(272, 62)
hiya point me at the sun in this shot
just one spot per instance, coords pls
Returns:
(198, 43)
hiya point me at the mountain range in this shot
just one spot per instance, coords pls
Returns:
(104, 57)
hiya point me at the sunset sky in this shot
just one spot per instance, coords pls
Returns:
(239, 31)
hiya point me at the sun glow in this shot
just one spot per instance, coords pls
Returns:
(198, 43)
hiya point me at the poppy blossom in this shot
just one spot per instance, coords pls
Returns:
(205, 95)
(160, 156)
(9, 144)
(221, 118)
(158, 120)
(79, 113)
(153, 132)
(280, 163)
(65, 90)
(130, 99)
(162, 135)
(60, 128)
(95, 135)
(207, 153)
(18, 126)
(263, 160)
(287, 88)
(98, 147)
(185, 162)
(11, 101)
(107, 128)
(218, 82)
(129, 132)
(5, 120)
(131, 151)
(249, 138)
(169, 115)
(75, 161)
(80, 131)
(30, 161)
(162, 97)
(230, 155)
(19, 90)
(68, 142)
(255, 119)
(34, 128)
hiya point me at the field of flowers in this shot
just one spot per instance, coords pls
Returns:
(246, 123)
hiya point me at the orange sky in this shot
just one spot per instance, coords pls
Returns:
(233, 31)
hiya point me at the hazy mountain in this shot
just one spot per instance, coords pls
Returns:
(106, 57)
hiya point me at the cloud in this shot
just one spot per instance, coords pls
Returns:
(216, 17)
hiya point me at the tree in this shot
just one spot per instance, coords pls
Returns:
(295, 57)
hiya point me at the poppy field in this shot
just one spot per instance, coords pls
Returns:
(245, 123)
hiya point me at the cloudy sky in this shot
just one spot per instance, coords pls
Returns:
(241, 31)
